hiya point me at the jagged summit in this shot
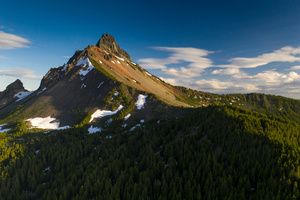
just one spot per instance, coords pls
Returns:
(108, 42)
(17, 85)
(12, 92)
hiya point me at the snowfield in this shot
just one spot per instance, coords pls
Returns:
(141, 101)
(45, 123)
(92, 130)
(102, 113)
(22, 95)
(85, 62)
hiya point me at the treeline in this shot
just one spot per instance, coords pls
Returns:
(217, 152)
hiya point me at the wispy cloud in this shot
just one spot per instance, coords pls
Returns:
(67, 57)
(215, 85)
(195, 57)
(285, 54)
(20, 73)
(295, 68)
(2, 27)
(171, 81)
(10, 41)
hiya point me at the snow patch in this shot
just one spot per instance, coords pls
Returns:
(133, 128)
(45, 123)
(100, 61)
(37, 151)
(100, 84)
(120, 58)
(141, 101)
(83, 86)
(106, 52)
(102, 113)
(133, 63)
(113, 62)
(42, 90)
(65, 67)
(116, 93)
(134, 80)
(92, 130)
(127, 116)
(142, 121)
(85, 62)
(148, 74)
(3, 130)
(22, 95)
(118, 62)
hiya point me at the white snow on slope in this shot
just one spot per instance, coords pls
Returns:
(113, 62)
(85, 62)
(22, 95)
(3, 130)
(127, 116)
(42, 90)
(102, 113)
(133, 128)
(100, 84)
(133, 63)
(45, 123)
(83, 86)
(120, 58)
(65, 67)
(100, 61)
(148, 74)
(141, 101)
(92, 130)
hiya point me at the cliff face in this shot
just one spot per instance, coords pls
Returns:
(108, 42)
(10, 92)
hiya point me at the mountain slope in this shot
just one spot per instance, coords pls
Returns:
(86, 82)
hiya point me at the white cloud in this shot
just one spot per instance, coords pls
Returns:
(215, 85)
(195, 57)
(295, 68)
(2, 27)
(20, 72)
(67, 57)
(10, 41)
(285, 54)
(171, 81)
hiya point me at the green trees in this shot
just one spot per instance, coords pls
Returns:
(213, 153)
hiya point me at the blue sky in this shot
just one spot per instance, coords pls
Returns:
(214, 46)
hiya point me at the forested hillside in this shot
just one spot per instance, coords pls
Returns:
(215, 152)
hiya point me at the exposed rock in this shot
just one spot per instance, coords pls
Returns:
(17, 85)
(108, 42)
(11, 90)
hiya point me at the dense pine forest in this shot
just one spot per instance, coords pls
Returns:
(215, 152)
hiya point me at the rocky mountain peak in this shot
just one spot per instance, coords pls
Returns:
(108, 42)
(17, 85)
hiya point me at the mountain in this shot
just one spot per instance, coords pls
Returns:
(14, 91)
(102, 127)
(98, 77)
